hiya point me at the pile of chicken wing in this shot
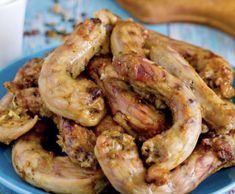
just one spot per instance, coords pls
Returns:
(120, 106)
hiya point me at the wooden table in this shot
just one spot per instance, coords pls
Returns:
(42, 20)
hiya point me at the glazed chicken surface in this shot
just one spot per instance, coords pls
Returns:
(120, 109)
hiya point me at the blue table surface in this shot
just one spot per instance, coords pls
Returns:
(40, 18)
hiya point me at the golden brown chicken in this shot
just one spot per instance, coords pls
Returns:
(132, 66)
(15, 119)
(60, 91)
(58, 174)
(160, 151)
(118, 156)
(215, 71)
(148, 138)
(139, 119)
(77, 141)
(168, 58)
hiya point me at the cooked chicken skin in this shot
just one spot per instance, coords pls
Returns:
(106, 124)
(77, 142)
(145, 139)
(224, 120)
(57, 174)
(26, 76)
(107, 17)
(139, 119)
(25, 89)
(127, 37)
(119, 159)
(213, 69)
(14, 118)
(30, 100)
(74, 98)
(130, 63)
(14, 121)
(5, 101)
(161, 151)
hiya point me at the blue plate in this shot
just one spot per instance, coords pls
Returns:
(218, 183)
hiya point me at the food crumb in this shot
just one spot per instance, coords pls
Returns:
(51, 34)
(33, 32)
(60, 34)
(50, 24)
(56, 8)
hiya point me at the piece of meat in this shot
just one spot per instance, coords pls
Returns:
(139, 119)
(109, 19)
(77, 142)
(119, 159)
(14, 120)
(53, 173)
(25, 89)
(63, 91)
(30, 100)
(127, 37)
(26, 76)
(213, 69)
(168, 58)
(107, 123)
(161, 152)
